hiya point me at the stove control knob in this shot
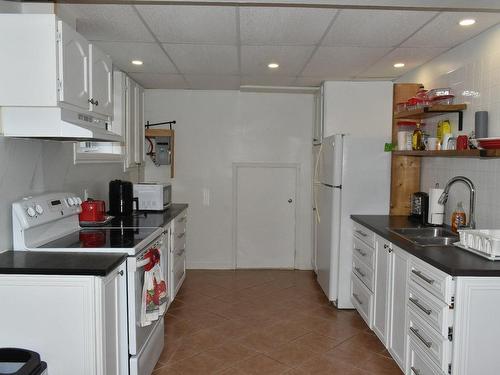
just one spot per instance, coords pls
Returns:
(39, 209)
(70, 201)
(31, 211)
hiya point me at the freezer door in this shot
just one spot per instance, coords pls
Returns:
(328, 240)
(330, 160)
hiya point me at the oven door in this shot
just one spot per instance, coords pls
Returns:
(139, 336)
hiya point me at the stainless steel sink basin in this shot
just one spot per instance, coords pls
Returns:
(427, 236)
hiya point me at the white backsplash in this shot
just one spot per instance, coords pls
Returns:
(484, 173)
(30, 167)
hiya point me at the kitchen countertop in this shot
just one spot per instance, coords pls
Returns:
(449, 259)
(58, 263)
(149, 219)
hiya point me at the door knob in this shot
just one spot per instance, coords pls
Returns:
(290, 200)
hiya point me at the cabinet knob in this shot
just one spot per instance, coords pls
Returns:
(91, 101)
(120, 273)
(96, 102)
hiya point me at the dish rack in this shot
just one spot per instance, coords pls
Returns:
(483, 242)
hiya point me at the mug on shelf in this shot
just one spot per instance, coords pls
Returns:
(462, 142)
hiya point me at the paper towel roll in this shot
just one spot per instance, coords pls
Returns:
(436, 210)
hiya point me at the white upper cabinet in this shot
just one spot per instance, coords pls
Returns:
(139, 125)
(101, 82)
(73, 75)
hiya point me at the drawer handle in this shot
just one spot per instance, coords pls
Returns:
(361, 233)
(181, 235)
(363, 254)
(357, 298)
(425, 278)
(420, 306)
(419, 336)
(181, 219)
(180, 252)
(415, 370)
(358, 270)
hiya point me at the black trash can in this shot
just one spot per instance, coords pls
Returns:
(14, 361)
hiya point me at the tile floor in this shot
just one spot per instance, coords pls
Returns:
(265, 322)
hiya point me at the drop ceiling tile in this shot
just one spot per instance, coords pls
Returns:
(213, 82)
(295, 26)
(254, 59)
(411, 57)
(109, 22)
(204, 59)
(444, 31)
(268, 80)
(342, 62)
(191, 24)
(374, 28)
(122, 53)
(159, 81)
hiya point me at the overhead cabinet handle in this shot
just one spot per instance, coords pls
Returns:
(420, 306)
(420, 337)
(425, 278)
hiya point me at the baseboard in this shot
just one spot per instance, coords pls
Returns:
(229, 266)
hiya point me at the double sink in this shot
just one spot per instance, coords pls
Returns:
(427, 236)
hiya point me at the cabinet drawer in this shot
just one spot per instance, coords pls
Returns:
(362, 271)
(433, 311)
(364, 234)
(180, 223)
(362, 299)
(419, 363)
(364, 252)
(179, 240)
(433, 280)
(432, 344)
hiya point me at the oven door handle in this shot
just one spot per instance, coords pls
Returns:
(138, 264)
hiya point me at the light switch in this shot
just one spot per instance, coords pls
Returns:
(206, 197)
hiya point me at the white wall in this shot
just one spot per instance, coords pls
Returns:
(216, 129)
(472, 66)
(30, 167)
(358, 108)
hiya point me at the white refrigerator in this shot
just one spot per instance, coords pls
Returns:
(352, 176)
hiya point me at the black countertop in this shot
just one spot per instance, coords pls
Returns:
(149, 219)
(59, 263)
(450, 259)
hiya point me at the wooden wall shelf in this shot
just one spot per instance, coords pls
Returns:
(435, 110)
(451, 153)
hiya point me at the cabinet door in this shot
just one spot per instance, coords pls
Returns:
(382, 290)
(139, 125)
(130, 132)
(73, 67)
(398, 306)
(101, 82)
(115, 339)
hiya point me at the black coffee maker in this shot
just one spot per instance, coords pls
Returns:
(121, 198)
(419, 207)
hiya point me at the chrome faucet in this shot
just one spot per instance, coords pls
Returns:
(472, 193)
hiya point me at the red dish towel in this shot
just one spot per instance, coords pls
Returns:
(154, 291)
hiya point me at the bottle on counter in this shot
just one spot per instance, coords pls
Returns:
(458, 218)
(418, 143)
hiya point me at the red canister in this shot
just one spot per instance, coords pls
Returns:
(462, 142)
(93, 210)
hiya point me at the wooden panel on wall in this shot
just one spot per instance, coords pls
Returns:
(405, 170)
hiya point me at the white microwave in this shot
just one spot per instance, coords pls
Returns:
(152, 196)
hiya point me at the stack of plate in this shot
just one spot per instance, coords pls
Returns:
(489, 143)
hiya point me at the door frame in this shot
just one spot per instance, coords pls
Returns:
(236, 167)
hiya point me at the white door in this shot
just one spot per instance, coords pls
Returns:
(397, 303)
(139, 125)
(265, 216)
(73, 68)
(130, 123)
(115, 322)
(101, 82)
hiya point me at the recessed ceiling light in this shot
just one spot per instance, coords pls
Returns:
(137, 62)
(273, 65)
(467, 22)
(399, 65)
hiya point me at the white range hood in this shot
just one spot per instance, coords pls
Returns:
(54, 123)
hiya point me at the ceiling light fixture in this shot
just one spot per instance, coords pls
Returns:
(137, 62)
(399, 65)
(273, 65)
(467, 22)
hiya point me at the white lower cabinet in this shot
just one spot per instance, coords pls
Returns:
(362, 299)
(177, 253)
(419, 363)
(78, 324)
(381, 293)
